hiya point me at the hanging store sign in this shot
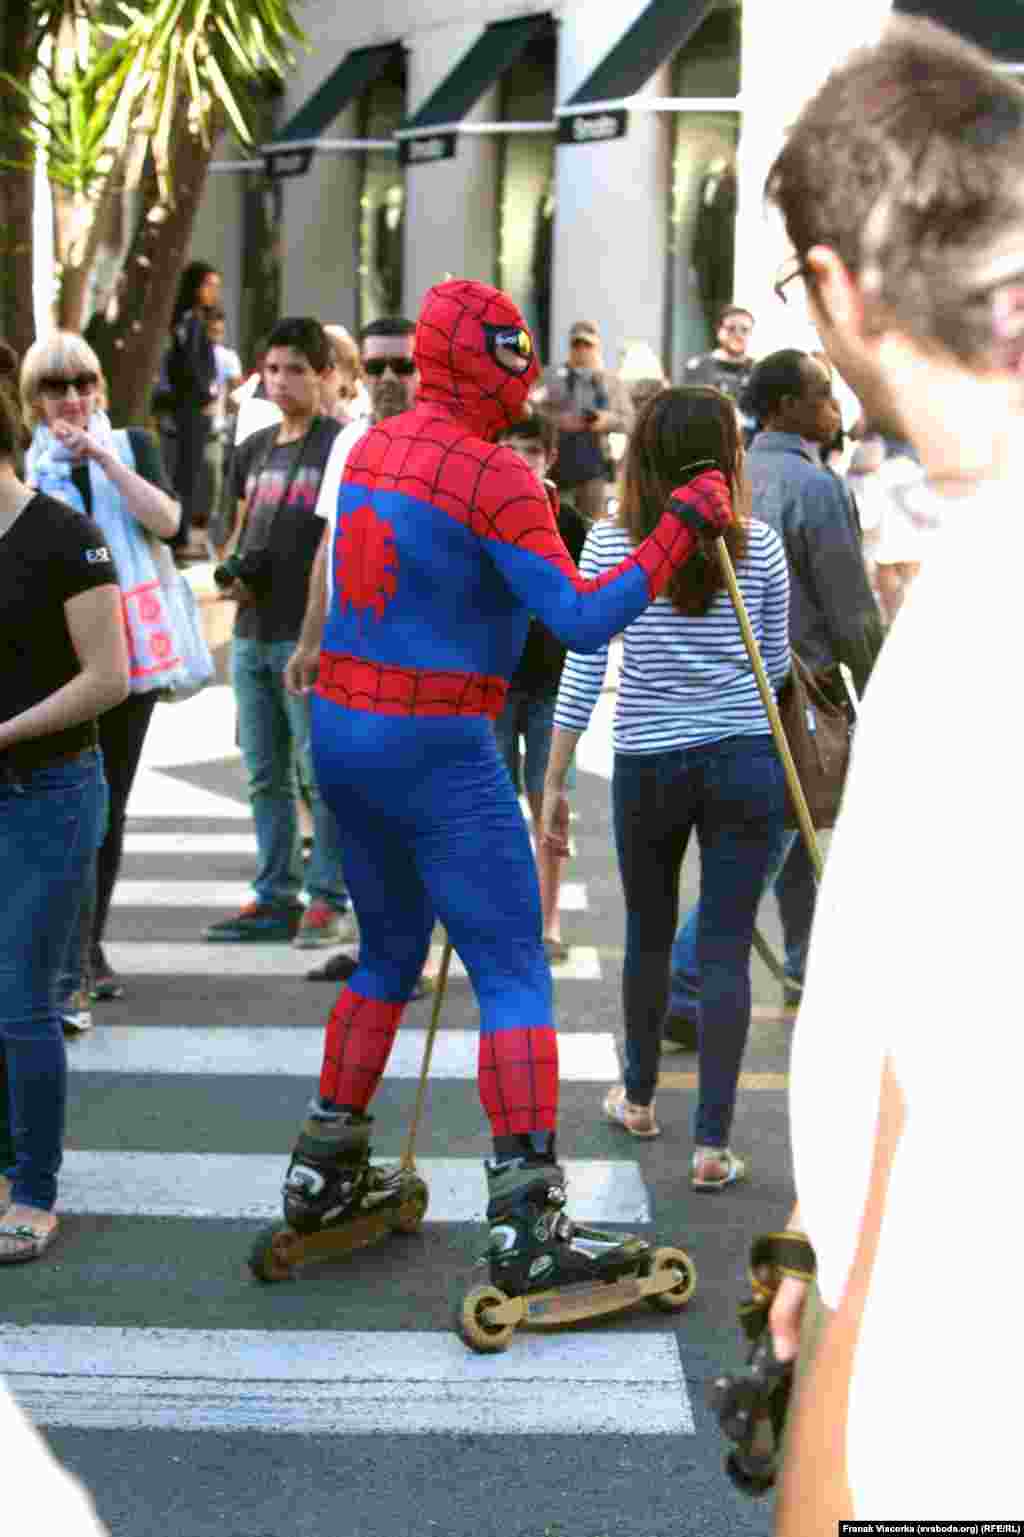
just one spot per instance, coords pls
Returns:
(592, 127)
(439, 146)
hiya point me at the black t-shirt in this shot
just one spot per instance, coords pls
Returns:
(290, 533)
(540, 666)
(723, 374)
(50, 554)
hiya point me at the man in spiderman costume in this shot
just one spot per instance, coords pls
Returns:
(445, 545)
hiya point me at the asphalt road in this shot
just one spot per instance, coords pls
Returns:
(192, 1400)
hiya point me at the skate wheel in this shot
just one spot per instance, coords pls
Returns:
(409, 1216)
(472, 1327)
(678, 1296)
(272, 1256)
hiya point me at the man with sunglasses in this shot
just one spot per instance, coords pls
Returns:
(586, 402)
(729, 366)
(444, 544)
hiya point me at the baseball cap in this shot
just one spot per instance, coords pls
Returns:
(584, 330)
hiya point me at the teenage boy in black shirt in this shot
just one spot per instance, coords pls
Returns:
(276, 477)
(529, 711)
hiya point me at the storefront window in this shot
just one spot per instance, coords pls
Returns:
(381, 227)
(526, 187)
(702, 216)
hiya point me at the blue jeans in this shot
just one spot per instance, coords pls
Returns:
(795, 888)
(51, 824)
(684, 988)
(274, 732)
(530, 717)
(733, 793)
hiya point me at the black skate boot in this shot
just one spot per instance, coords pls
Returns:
(335, 1200)
(546, 1269)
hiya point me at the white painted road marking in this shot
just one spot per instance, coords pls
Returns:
(248, 1185)
(136, 958)
(231, 895)
(190, 843)
(318, 1382)
(297, 1052)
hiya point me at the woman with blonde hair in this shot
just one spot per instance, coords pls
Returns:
(693, 752)
(343, 390)
(63, 661)
(117, 479)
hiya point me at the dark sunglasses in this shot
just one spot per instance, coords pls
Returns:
(57, 384)
(401, 367)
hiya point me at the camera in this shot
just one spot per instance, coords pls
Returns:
(252, 568)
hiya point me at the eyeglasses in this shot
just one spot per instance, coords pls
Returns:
(58, 384)
(794, 267)
(401, 367)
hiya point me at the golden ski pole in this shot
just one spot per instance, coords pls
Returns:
(408, 1160)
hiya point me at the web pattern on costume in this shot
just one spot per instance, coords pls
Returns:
(360, 1034)
(487, 489)
(518, 1075)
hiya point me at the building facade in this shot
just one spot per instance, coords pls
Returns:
(596, 160)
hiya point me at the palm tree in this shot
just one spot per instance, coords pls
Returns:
(124, 85)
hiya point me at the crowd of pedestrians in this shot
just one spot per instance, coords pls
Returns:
(934, 350)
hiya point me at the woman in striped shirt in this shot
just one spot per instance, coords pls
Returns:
(693, 750)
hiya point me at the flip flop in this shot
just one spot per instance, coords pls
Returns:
(33, 1244)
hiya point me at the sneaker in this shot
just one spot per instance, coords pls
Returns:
(75, 1017)
(336, 968)
(323, 925)
(715, 1167)
(638, 1120)
(679, 1033)
(259, 921)
(105, 981)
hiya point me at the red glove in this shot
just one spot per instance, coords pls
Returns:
(704, 504)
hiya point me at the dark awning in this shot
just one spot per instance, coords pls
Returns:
(291, 152)
(603, 98)
(498, 47)
(992, 24)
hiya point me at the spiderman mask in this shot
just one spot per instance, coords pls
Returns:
(475, 356)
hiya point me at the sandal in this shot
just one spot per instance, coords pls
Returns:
(638, 1120)
(715, 1167)
(32, 1244)
(556, 951)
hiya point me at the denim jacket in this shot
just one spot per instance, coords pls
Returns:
(833, 616)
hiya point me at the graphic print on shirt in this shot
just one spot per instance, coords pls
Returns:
(264, 495)
(365, 561)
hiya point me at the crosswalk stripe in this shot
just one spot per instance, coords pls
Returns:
(319, 1382)
(226, 1186)
(162, 958)
(190, 843)
(231, 895)
(165, 796)
(297, 1052)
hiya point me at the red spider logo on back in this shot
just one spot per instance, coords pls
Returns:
(365, 562)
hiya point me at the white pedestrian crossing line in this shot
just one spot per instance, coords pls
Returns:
(161, 958)
(226, 1186)
(231, 895)
(297, 1052)
(320, 1382)
(190, 844)
(155, 794)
